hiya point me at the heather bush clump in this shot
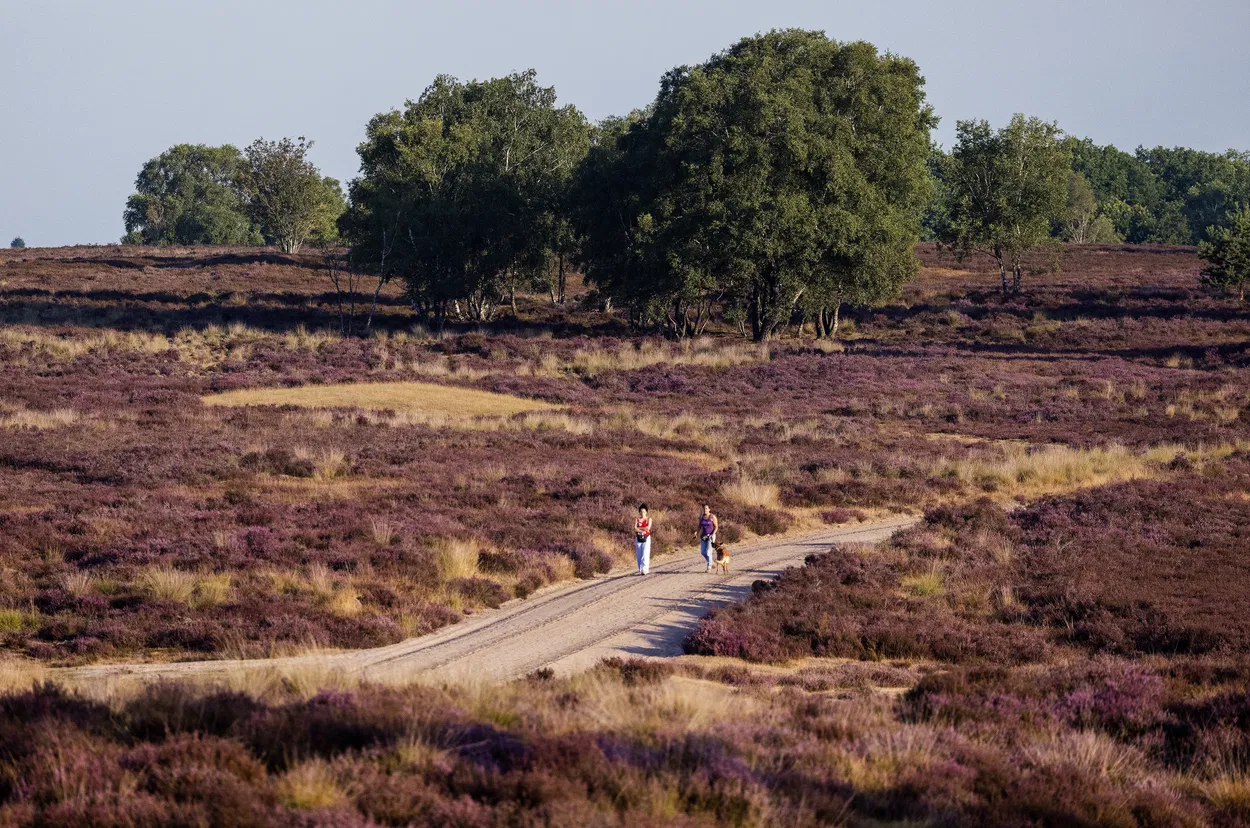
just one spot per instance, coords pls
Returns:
(1102, 741)
(1143, 567)
(855, 604)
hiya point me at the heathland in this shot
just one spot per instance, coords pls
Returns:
(194, 463)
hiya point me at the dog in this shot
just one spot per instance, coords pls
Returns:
(722, 557)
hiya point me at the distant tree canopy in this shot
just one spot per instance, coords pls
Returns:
(17, 242)
(287, 198)
(1227, 253)
(190, 194)
(1006, 189)
(786, 174)
(197, 194)
(1169, 196)
(773, 184)
(461, 194)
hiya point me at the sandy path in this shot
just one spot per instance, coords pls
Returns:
(567, 627)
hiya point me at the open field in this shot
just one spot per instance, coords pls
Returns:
(1060, 639)
(144, 519)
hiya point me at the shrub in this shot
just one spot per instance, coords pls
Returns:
(479, 591)
(842, 515)
(764, 521)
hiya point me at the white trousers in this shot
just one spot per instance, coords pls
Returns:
(642, 551)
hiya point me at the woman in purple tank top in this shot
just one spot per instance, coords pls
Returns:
(708, 524)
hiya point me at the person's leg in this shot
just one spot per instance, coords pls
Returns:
(705, 548)
(638, 555)
(646, 556)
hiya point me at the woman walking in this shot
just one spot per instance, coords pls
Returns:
(708, 524)
(642, 540)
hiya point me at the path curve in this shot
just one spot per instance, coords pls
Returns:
(567, 627)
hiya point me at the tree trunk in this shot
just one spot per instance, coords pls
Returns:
(1015, 278)
(373, 306)
(1002, 269)
(561, 281)
(837, 320)
(512, 291)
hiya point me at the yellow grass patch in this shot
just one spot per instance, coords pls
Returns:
(457, 558)
(1033, 470)
(20, 674)
(752, 493)
(18, 416)
(418, 397)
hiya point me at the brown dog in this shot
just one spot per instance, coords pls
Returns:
(722, 557)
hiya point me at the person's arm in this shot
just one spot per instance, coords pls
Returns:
(715, 525)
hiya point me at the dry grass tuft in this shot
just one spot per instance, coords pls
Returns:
(329, 464)
(457, 558)
(79, 584)
(382, 533)
(925, 584)
(212, 590)
(752, 493)
(193, 589)
(310, 785)
(169, 584)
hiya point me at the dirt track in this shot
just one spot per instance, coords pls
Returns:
(567, 627)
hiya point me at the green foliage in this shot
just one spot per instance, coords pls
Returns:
(190, 194)
(18, 242)
(287, 197)
(1161, 195)
(463, 193)
(1227, 253)
(787, 172)
(1007, 188)
(1084, 222)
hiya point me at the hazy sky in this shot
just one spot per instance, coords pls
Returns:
(91, 90)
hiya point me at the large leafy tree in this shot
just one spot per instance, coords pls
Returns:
(787, 170)
(1007, 188)
(190, 194)
(1227, 253)
(286, 195)
(461, 194)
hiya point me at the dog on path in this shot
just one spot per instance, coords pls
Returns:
(722, 557)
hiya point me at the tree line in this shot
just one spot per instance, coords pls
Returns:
(270, 193)
(778, 181)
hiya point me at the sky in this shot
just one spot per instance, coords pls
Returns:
(92, 90)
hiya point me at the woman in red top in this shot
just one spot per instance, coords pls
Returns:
(643, 527)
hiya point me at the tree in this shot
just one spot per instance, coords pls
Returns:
(1007, 189)
(788, 166)
(1227, 253)
(287, 197)
(461, 193)
(18, 242)
(190, 194)
(1084, 222)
